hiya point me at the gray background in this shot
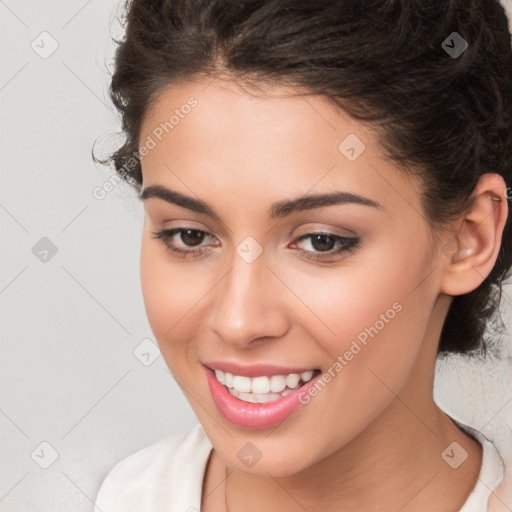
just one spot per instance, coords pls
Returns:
(73, 374)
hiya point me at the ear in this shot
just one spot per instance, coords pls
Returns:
(476, 240)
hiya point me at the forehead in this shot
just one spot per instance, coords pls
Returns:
(223, 107)
(215, 135)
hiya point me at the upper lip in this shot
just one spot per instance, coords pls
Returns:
(255, 370)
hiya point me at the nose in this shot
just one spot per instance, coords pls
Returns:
(249, 304)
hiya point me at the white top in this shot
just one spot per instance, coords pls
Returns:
(167, 476)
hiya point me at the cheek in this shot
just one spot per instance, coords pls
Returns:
(170, 294)
(373, 311)
(370, 327)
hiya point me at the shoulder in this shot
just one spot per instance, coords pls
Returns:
(492, 479)
(501, 499)
(158, 475)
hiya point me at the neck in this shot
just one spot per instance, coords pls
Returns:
(385, 468)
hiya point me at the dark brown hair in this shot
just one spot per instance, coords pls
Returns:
(442, 117)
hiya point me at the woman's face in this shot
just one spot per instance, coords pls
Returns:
(254, 289)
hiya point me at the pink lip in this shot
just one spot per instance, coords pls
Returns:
(255, 370)
(253, 416)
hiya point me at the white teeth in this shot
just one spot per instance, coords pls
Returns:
(306, 376)
(260, 385)
(228, 379)
(277, 383)
(242, 384)
(292, 381)
(220, 376)
(262, 388)
(255, 398)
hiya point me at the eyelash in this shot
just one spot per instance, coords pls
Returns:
(349, 245)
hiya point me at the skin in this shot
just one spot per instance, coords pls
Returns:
(501, 499)
(373, 438)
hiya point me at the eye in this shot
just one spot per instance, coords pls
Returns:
(194, 237)
(326, 245)
(323, 245)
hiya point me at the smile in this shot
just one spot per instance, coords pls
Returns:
(261, 401)
(262, 389)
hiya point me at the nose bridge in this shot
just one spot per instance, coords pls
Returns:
(246, 305)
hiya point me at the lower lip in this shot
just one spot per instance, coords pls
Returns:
(249, 415)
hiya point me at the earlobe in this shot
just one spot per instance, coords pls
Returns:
(478, 238)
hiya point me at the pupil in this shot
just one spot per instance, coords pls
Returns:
(322, 246)
(190, 239)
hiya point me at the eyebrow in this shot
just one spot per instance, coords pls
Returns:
(278, 210)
